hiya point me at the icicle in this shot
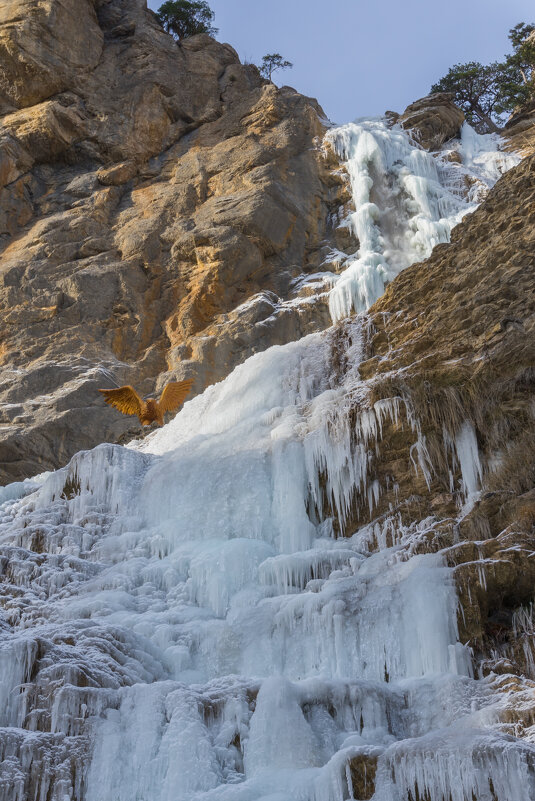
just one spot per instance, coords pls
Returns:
(468, 455)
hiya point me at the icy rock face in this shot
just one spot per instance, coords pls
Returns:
(406, 200)
(188, 628)
(182, 619)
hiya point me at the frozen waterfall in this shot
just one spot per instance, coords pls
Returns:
(180, 622)
(406, 199)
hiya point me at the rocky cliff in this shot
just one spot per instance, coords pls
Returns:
(161, 207)
(318, 580)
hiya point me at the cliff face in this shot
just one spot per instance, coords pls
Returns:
(453, 337)
(160, 207)
(321, 572)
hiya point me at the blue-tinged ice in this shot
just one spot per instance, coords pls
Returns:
(406, 201)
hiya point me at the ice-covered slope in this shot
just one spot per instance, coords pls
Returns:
(182, 622)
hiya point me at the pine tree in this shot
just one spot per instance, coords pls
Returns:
(183, 18)
(487, 92)
(271, 63)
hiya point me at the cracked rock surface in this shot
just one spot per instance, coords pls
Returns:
(160, 209)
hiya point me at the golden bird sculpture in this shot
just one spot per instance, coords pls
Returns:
(127, 401)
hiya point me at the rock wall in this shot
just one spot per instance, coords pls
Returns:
(160, 209)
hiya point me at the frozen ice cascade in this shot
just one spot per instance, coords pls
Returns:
(180, 621)
(406, 199)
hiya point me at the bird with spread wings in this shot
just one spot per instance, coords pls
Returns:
(127, 401)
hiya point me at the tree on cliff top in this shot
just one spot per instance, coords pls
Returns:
(522, 37)
(477, 89)
(272, 62)
(183, 18)
(487, 92)
(522, 60)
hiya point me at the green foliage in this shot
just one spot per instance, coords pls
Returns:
(487, 92)
(519, 34)
(272, 62)
(477, 89)
(183, 18)
(522, 62)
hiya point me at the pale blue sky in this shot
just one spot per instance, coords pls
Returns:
(361, 57)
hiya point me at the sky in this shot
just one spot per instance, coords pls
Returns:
(362, 57)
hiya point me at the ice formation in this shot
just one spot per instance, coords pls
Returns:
(181, 623)
(406, 199)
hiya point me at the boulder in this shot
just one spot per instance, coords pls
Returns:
(432, 120)
(47, 130)
(118, 174)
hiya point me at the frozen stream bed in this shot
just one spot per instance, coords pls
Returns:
(179, 620)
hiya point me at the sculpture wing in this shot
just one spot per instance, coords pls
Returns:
(125, 399)
(174, 394)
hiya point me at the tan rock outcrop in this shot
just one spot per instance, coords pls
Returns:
(362, 770)
(160, 207)
(520, 130)
(45, 131)
(432, 120)
(44, 46)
